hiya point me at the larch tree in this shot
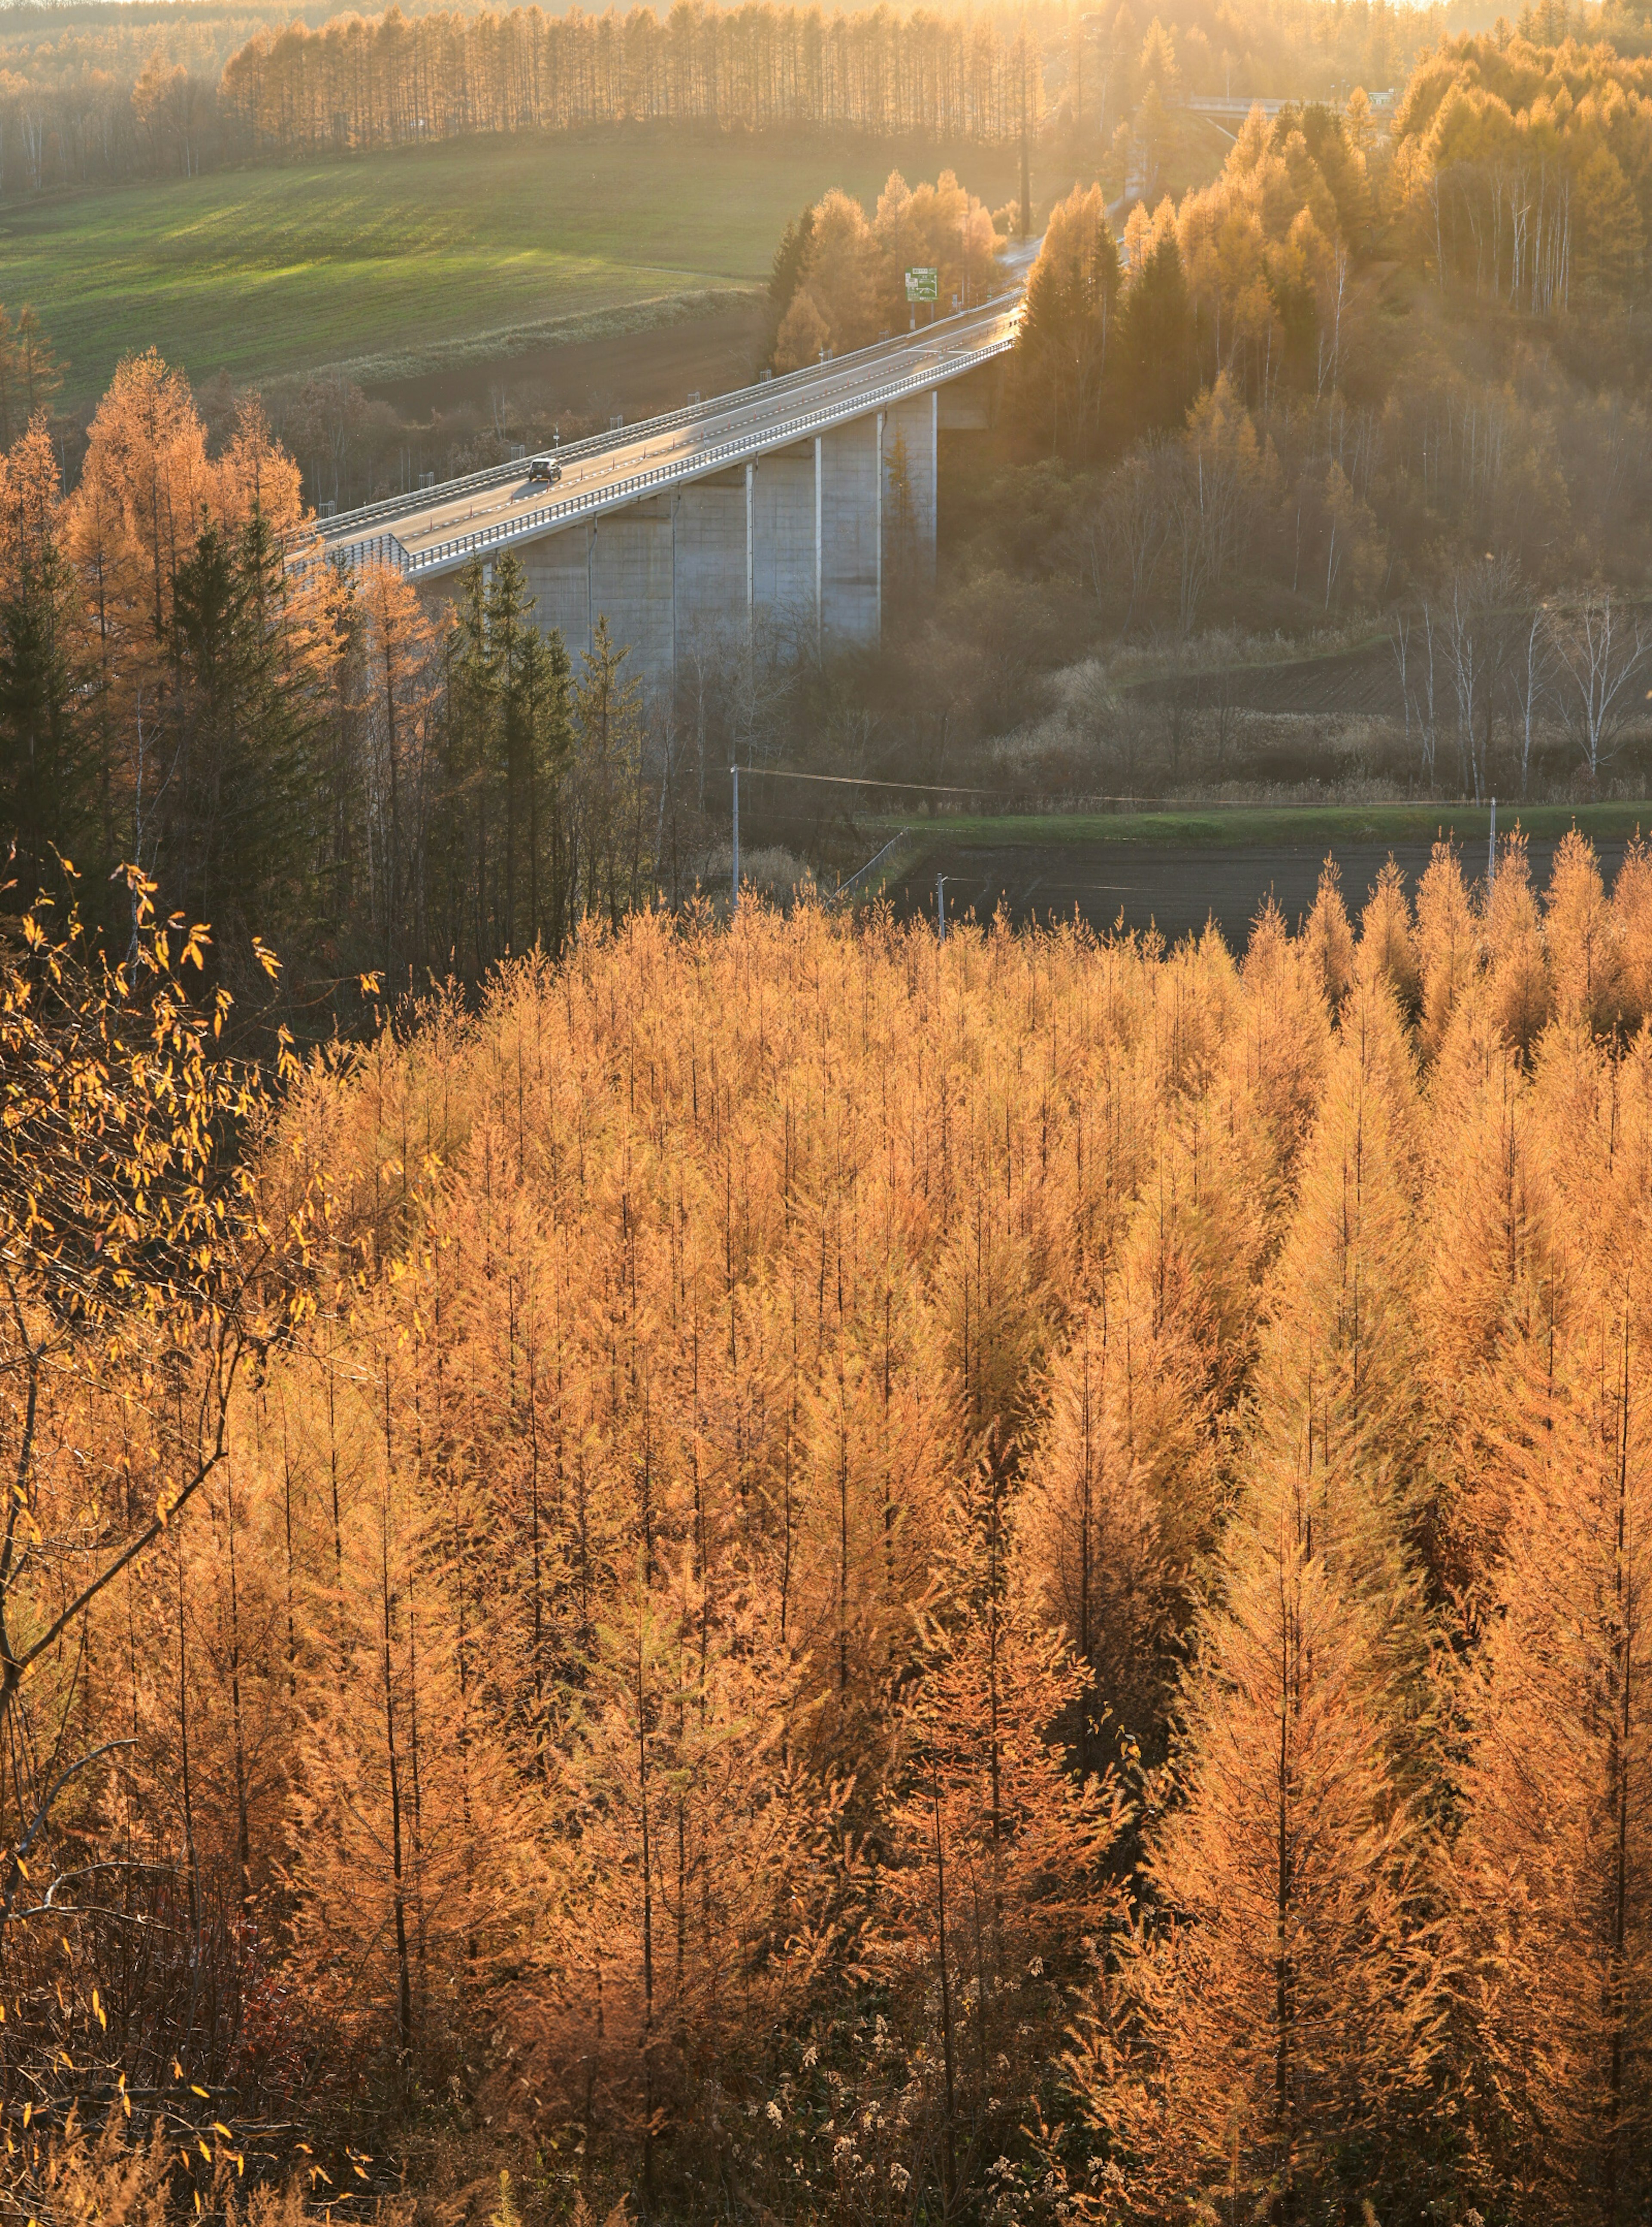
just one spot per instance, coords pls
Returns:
(1554, 1866)
(1581, 938)
(1447, 942)
(1388, 945)
(994, 1882)
(1516, 951)
(1329, 937)
(1275, 2042)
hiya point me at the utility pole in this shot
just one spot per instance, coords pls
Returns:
(1491, 854)
(734, 901)
(940, 904)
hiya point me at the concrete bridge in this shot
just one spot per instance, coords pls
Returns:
(1237, 106)
(793, 504)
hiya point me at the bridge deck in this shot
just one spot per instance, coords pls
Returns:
(437, 530)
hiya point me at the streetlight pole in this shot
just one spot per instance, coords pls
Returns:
(940, 904)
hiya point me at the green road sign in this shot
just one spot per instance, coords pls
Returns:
(923, 285)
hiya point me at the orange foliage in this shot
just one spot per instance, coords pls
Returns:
(850, 1510)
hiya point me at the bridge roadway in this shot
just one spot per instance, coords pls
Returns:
(437, 530)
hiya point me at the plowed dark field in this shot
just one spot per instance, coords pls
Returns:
(1355, 682)
(1175, 888)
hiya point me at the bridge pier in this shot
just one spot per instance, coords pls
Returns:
(619, 567)
(783, 540)
(911, 464)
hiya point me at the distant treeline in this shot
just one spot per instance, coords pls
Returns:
(89, 95)
(365, 82)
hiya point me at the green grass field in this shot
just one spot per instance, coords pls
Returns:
(1243, 825)
(264, 271)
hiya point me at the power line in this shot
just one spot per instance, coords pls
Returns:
(851, 781)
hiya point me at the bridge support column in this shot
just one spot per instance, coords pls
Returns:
(819, 614)
(630, 572)
(910, 457)
(848, 532)
(934, 483)
(560, 580)
(676, 498)
(751, 549)
(880, 526)
(712, 566)
(783, 541)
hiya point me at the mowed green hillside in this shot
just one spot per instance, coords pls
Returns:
(261, 271)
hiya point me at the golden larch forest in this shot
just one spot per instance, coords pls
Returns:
(804, 1567)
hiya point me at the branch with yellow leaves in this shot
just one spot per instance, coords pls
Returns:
(136, 1266)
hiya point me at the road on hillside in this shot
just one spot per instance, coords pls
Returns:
(1175, 888)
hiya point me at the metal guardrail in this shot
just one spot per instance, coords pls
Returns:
(401, 506)
(412, 564)
(1234, 105)
(371, 549)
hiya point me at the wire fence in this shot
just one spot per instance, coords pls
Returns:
(844, 889)
(1022, 806)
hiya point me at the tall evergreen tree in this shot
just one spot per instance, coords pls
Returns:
(1061, 346)
(786, 276)
(238, 844)
(48, 787)
(533, 745)
(1155, 359)
(615, 856)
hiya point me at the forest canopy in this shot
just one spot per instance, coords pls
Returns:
(1526, 170)
(1005, 1577)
